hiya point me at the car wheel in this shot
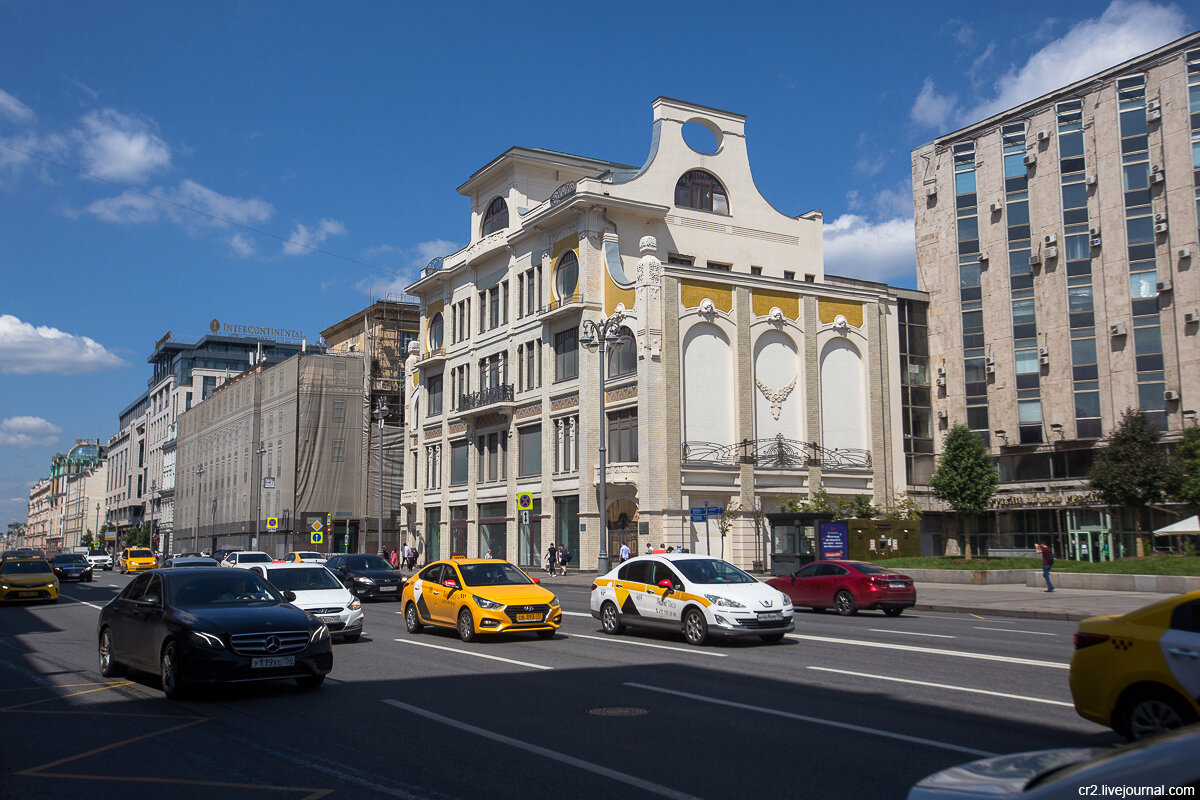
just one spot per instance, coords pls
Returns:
(772, 637)
(545, 634)
(610, 619)
(844, 602)
(412, 620)
(466, 626)
(310, 681)
(1150, 711)
(109, 666)
(893, 612)
(172, 684)
(352, 637)
(695, 627)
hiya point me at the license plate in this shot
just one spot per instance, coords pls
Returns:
(529, 617)
(771, 616)
(328, 620)
(27, 594)
(387, 588)
(896, 585)
(269, 662)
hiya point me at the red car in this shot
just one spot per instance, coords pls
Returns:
(848, 586)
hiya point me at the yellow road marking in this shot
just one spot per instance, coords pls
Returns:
(62, 696)
(976, 616)
(54, 686)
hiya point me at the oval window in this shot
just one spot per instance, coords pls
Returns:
(566, 276)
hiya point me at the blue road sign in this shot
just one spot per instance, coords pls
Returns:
(699, 514)
(715, 511)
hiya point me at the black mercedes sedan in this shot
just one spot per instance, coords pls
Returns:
(72, 567)
(197, 626)
(366, 576)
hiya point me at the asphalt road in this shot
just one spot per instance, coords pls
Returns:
(844, 707)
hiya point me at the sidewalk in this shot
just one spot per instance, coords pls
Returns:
(998, 600)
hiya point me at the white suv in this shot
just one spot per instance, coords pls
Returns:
(697, 595)
(245, 558)
(319, 593)
(99, 559)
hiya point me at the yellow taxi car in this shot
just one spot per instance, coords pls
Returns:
(477, 596)
(24, 579)
(136, 559)
(1139, 673)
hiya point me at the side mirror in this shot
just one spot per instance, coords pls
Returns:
(450, 583)
(290, 596)
(665, 583)
(537, 580)
(149, 600)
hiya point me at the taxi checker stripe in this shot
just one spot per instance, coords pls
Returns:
(631, 780)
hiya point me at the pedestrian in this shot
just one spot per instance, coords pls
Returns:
(488, 554)
(1047, 563)
(394, 559)
(551, 559)
(662, 548)
(564, 556)
(625, 553)
(649, 549)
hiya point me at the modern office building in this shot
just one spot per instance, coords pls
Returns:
(1057, 242)
(735, 371)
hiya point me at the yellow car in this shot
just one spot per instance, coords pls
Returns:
(27, 579)
(477, 596)
(136, 559)
(1139, 673)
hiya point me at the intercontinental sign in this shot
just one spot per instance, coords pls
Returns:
(227, 329)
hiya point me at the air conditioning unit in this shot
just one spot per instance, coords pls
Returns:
(983, 257)
(941, 371)
(1035, 259)
(1094, 231)
(1156, 168)
(990, 369)
(1095, 242)
(942, 414)
(1051, 238)
(997, 208)
(1090, 180)
(1161, 216)
(989, 360)
(931, 190)
(1116, 329)
(1050, 252)
(1163, 286)
(1153, 116)
(1153, 105)
(1184, 252)
(1043, 136)
(1043, 351)
(941, 382)
(1160, 227)
(1191, 317)
(1030, 159)
(1043, 360)
(1156, 177)
(1170, 395)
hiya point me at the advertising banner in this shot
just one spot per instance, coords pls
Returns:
(834, 540)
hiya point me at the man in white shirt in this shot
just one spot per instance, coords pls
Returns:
(625, 553)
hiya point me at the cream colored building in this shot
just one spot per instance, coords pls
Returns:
(37, 524)
(740, 372)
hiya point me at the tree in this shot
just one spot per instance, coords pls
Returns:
(904, 509)
(1133, 470)
(1187, 467)
(965, 476)
(87, 540)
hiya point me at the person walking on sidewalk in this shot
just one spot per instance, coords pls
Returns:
(1047, 563)
(551, 559)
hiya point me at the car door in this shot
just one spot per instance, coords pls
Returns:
(147, 629)
(427, 589)
(337, 565)
(802, 588)
(122, 622)
(832, 578)
(633, 579)
(660, 602)
(1181, 647)
(448, 598)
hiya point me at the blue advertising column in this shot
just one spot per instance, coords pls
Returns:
(833, 540)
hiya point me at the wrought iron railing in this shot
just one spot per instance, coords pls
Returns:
(486, 397)
(775, 453)
(433, 266)
(563, 192)
(563, 302)
(435, 352)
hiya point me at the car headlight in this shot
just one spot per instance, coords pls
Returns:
(209, 640)
(554, 602)
(320, 634)
(355, 605)
(485, 604)
(723, 602)
(787, 601)
(5, 586)
(369, 581)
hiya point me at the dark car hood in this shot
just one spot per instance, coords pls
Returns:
(248, 618)
(376, 574)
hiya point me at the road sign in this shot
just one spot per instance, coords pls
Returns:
(715, 511)
(699, 514)
(272, 523)
(524, 517)
(316, 537)
(524, 501)
(316, 526)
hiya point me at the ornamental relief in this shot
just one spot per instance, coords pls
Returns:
(776, 397)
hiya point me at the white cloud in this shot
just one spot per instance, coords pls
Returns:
(215, 208)
(14, 109)
(878, 251)
(412, 259)
(302, 241)
(120, 147)
(242, 246)
(1126, 29)
(28, 432)
(25, 349)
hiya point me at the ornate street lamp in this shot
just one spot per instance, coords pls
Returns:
(599, 334)
(380, 413)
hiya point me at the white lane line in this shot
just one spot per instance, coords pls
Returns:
(469, 653)
(575, 614)
(664, 791)
(620, 640)
(932, 651)
(81, 602)
(945, 686)
(1012, 630)
(913, 633)
(789, 715)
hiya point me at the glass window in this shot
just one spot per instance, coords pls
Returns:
(1027, 361)
(1029, 412)
(1023, 312)
(434, 386)
(968, 274)
(1018, 213)
(1014, 167)
(1140, 229)
(1133, 123)
(566, 276)
(458, 462)
(436, 326)
(964, 182)
(701, 190)
(1142, 285)
(531, 450)
(1147, 340)
(1087, 404)
(622, 355)
(1078, 247)
(622, 436)
(1137, 176)
(1070, 144)
(1079, 298)
(566, 354)
(972, 322)
(1150, 396)
(968, 229)
(1083, 351)
(1074, 195)
(496, 217)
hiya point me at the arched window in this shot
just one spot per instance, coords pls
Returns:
(699, 189)
(496, 217)
(436, 326)
(566, 276)
(622, 355)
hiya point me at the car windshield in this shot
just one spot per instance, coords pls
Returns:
(140, 554)
(493, 575)
(310, 555)
(31, 566)
(70, 558)
(872, 569)
(253, 558)
(711, 570)
(366, 562)
(95, 551)
(220, 587)
(303, 580)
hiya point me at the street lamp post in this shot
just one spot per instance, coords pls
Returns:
(199, 488)
(258, 509)
(153, 492)
(380, 413)
(599, 334)
(101, 544)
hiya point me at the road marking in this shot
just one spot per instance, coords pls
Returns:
(81, 602)
(933, 651)
(616, 640)
(913, 633)
(976, 616)
(945, 686)
(103, 688)
(606, 772)
(470, 653)
(1012, 630)
(789, 715)
(575, 614)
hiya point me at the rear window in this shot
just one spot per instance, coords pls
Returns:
(70, 558)
(253, 558)
(872, 569)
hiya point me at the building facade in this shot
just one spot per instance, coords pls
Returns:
(736, 373)
(86, 458)
(1057, 241)
(37, 523)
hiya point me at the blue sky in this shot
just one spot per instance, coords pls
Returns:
(164, 164)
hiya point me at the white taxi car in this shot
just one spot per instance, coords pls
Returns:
(698, 595)
(319, 593)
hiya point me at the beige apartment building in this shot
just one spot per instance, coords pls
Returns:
(37, 523)
(1057, 241)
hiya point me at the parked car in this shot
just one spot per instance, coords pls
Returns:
(697, 595)
(27, 578)
(179, 562)
(1139, 673)
(99, 558)
(366, 576)
(244, 558)
(136, 559)
(307, 556)
(220, 553)
(319, 593)
(211, 626)
(72, 566)
(848, 586)
(1168, 760)
(479, 596)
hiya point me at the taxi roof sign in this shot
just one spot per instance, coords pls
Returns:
(524, 501)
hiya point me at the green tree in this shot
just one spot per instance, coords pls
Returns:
(1133, 470)
(1187, 467)
(965, 476)
(87, 540)
(904, 509)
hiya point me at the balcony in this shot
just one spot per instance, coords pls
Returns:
(495, 398)
(561, 307)
(432, 358)
(775, 453)
(618, 474)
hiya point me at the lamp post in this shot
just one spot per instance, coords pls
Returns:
(258, 508)
(199, 488)
(380, 413)
(599, 334)
(153, 492)
(101, 544)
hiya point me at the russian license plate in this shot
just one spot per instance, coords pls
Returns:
(27, 594)
(529, 617)
(271, 662)
(387, 588)
(329, 620)
(771, 616)
(896, 585)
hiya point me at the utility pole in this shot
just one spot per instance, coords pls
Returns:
(258, 510)
(600, 333)
(380, 412)
(199, 488)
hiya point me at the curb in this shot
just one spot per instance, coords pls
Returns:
(1004, 612)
